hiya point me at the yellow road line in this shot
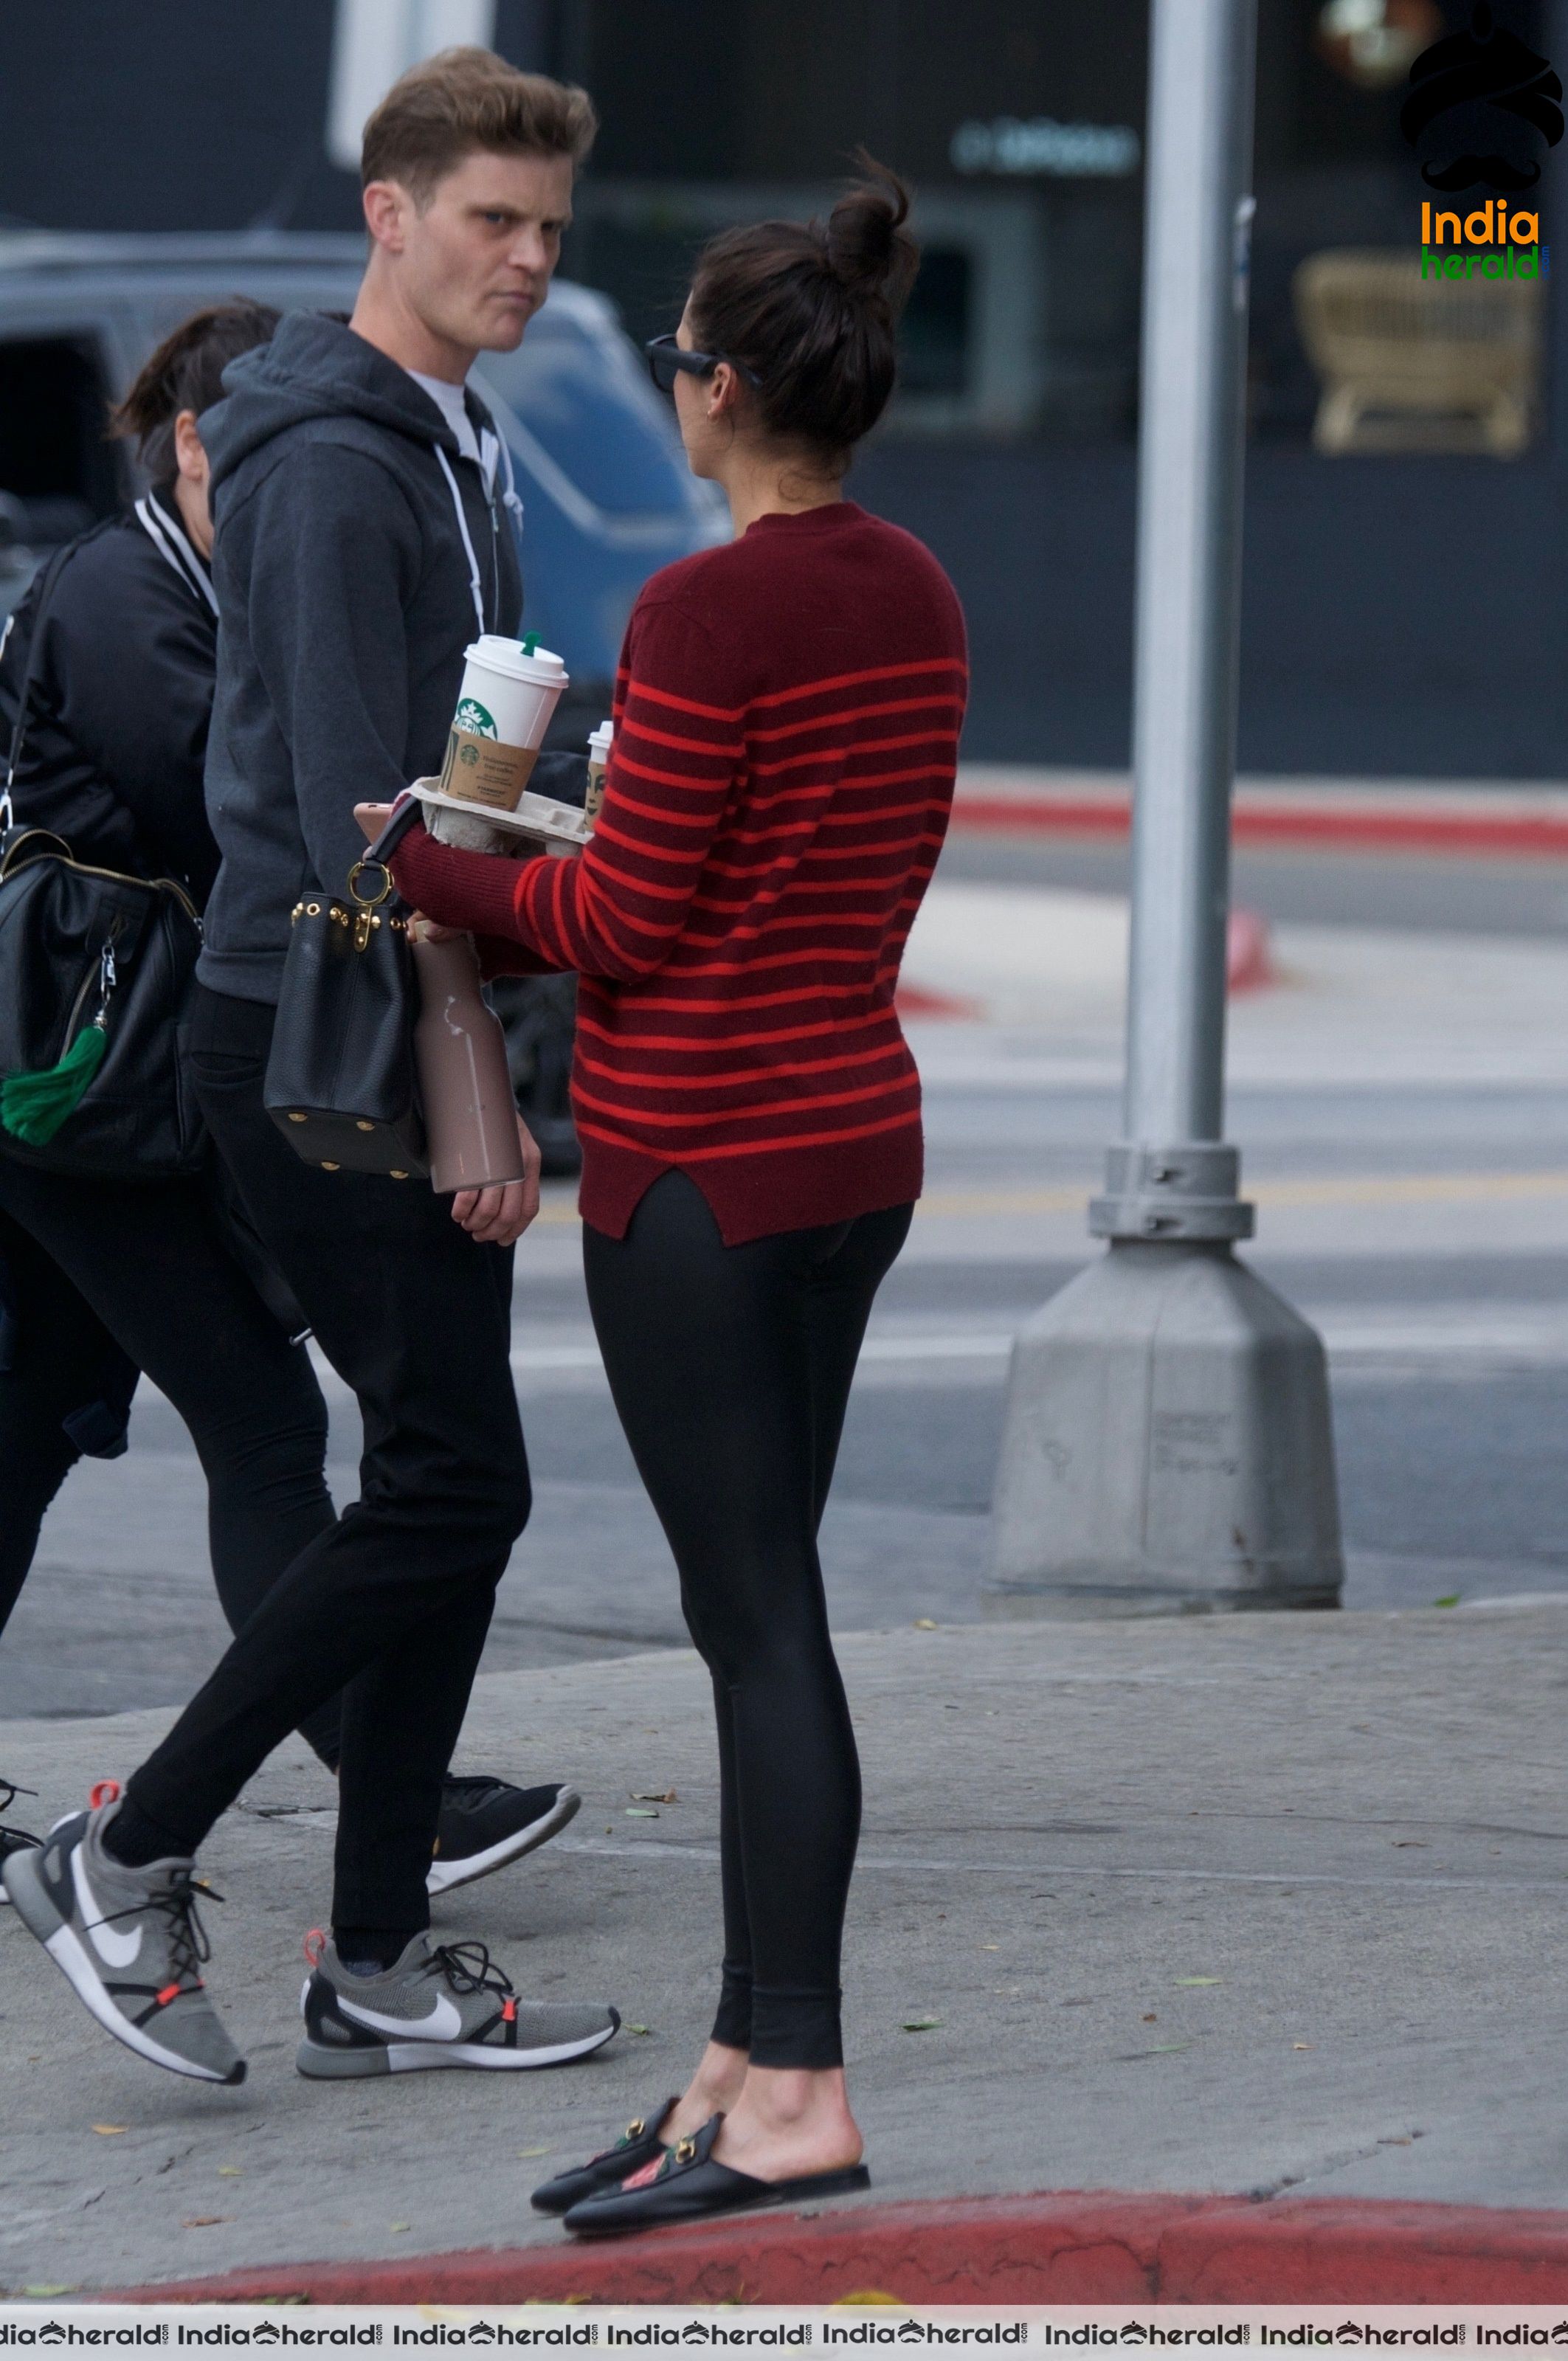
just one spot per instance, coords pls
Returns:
(1342, 1189)
(1339, 1189)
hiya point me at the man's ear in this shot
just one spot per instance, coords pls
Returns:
(387, 206)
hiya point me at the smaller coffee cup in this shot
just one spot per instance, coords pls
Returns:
(600, 743)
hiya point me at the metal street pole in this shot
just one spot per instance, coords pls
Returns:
(1166, 1442)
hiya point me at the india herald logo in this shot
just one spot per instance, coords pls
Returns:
(472, 715)
(1476, 93)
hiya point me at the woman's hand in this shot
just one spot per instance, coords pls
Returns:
(498, 1216)
(425, 930)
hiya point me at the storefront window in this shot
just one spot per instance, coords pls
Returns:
(1024, 137)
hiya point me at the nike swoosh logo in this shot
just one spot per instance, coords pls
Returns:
(443, 2024)
(115, 1949)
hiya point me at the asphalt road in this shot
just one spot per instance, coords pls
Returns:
(1451, 1402)
(1423, 1224)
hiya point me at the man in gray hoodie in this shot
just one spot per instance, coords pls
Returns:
(360, 495)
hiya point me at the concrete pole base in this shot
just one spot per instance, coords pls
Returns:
(1168, 1446)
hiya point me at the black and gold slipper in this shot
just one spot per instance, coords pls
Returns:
(639, 2145)
(690, 2186)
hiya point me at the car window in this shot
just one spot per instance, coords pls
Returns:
(55, 462)
(582, 397)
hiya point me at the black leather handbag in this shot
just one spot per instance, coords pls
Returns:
(340, 1084)
(95, 969)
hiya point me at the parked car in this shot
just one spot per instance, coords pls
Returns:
(605, 492)
(607, 495)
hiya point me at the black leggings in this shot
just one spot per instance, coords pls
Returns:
(730, 1367)
(107, 1277)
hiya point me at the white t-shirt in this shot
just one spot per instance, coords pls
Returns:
(449, 400)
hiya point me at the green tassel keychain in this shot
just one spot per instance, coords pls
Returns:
(33, 1106)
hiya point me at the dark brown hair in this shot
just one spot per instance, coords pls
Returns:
(186, 372)
(466, 100)
(811, 308)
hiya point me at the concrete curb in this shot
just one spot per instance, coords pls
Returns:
(1091, 2248)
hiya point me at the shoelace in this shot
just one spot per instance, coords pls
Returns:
(190, 1945)
(468, 1968)
(8, 1795)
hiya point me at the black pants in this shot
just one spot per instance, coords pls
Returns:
(730, 1367)
(107, 1277)
(394, 1602)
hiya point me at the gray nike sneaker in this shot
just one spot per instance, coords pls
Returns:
(130, 1942)
(443, 2004)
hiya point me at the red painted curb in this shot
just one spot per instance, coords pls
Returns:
(1323, 827)
(1249, 963)
(918, 1000)
(1071, 2248)
(1328, 2250)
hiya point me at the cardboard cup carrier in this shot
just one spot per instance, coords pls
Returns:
(510, 688)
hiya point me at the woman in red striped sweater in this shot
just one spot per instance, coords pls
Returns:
(786, 726)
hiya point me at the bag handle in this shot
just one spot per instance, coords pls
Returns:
(23, 846)
(405, 811)
(18, 846)
(30, 673)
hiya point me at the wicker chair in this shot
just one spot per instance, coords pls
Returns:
(1414, 364)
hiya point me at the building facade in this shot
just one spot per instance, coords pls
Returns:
(1404, 592)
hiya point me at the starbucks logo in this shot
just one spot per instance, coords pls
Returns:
(468, 755)
(472, 715)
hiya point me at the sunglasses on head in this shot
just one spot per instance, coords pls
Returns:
(668, 360)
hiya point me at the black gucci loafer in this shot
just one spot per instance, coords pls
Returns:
(690, 2186)
(639, 2145)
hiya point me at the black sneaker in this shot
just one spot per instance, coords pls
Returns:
(13, 1839)
(485, 1823)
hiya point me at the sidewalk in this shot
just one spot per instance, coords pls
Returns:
(1367, 815)
(1343, 1007)
(1272, 1909)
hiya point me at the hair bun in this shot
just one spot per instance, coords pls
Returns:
(867, 248)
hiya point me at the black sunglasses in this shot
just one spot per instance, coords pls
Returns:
(668, 360)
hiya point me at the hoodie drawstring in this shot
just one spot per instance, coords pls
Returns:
(511, 498)
(468, 539)
(509, 502)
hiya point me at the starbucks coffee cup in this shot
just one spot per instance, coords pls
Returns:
(600, 743)
(510, 688)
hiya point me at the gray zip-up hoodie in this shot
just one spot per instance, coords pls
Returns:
(357, 555)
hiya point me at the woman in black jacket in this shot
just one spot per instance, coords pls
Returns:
(102, 1280)
(99, 1279)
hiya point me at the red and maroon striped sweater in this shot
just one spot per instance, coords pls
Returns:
(786, 728)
